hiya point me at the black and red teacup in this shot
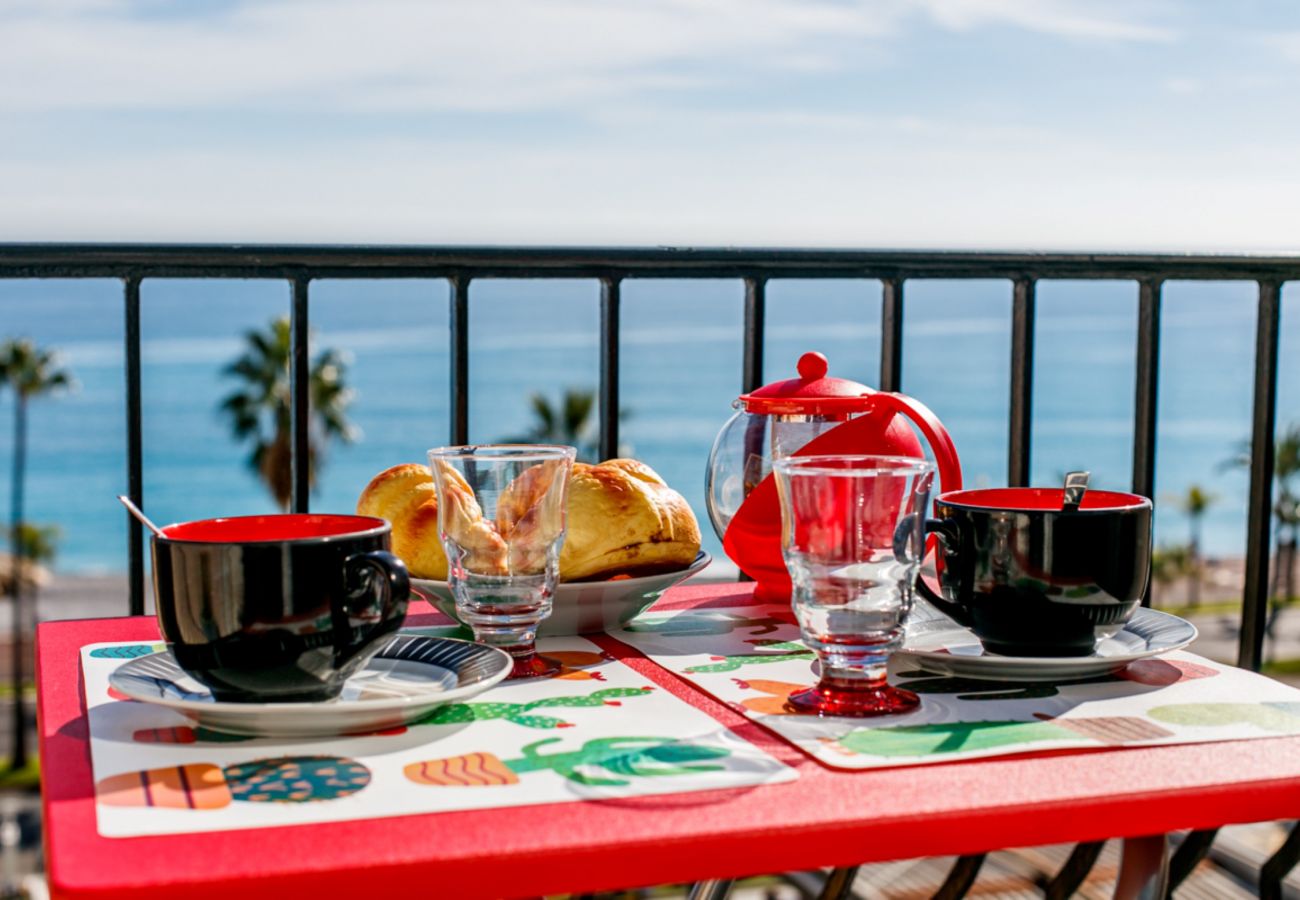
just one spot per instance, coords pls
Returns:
(1031, 578)
(277, 608)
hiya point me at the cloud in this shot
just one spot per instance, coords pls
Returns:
(1097, 20)
(1185, 86)
(818, 183)
(1288, 42)
(489, 54)
(482, 55)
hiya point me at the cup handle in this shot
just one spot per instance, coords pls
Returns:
(380, 588)
(949, 535)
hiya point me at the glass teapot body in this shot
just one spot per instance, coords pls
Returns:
(743, 452)
(812, 414)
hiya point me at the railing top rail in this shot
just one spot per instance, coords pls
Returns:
(51, 260)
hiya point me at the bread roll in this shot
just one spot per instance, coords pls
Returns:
(406, 497)
(622, 519)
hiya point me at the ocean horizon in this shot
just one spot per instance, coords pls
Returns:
(680, 370)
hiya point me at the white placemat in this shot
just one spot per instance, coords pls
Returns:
(751, 659)
(598, 731)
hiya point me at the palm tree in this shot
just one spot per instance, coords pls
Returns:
(1194, 505)
(568, 423)
(259, 409)
(1168, 564)
(1286, 508)
(31, 371)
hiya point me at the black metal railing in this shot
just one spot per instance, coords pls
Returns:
(298, 266)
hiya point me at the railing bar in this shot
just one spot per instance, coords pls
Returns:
(1279, 865)
(839, 884)
(609, 387)
(300, 397)
(1254, 605)
(459, 302)
(1189, 854)
(961, 877)
(270, 261)
(751, 376)
(134, 445)
(891, 334)
(1074, 872)
(1022, 381)
(1146, 377)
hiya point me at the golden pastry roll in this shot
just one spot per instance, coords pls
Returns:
(622, 519)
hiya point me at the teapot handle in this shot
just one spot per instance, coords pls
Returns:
(926, 422)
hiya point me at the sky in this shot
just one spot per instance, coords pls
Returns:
(1070, 124)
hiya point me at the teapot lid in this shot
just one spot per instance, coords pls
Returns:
(812, 393)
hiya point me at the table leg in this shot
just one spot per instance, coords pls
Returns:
(1143, 869)
(713, 889)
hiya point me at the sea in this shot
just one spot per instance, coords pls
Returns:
(680, 371)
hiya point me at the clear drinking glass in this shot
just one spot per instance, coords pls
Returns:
(853, 534)
(501, 517)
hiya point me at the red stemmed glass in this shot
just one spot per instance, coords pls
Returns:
(853, 534)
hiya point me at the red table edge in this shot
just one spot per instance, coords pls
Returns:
(694, 856)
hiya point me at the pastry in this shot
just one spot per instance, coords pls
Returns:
(621, 520)
(406, 497)
(624, 520)
(463, 520)
(530, 516)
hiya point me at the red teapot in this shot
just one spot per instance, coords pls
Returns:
(805, 416)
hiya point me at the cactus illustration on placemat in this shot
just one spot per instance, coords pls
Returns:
(453, 714)
(126, 651)
(289, 779)
(617, 759)
(522, 713)
(785, 651)
(939, 738)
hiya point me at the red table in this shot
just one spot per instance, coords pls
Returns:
(825, 818)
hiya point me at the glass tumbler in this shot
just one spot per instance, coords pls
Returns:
(853, 534)
(501, 518)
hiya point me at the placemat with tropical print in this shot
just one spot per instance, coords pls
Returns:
(751, 659)
(597, 731)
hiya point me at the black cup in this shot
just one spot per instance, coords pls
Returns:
(277, 608)
(1032, 579)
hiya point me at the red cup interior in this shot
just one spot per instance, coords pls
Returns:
(286, 527)
(1040, 499)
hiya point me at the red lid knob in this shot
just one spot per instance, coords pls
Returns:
(813, 365)
(812, 393)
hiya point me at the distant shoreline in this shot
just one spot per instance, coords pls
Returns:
(77, 596)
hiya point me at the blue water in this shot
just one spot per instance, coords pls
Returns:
(681, 363)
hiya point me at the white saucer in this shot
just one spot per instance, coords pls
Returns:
(408, 678)
(585, 607)
(938, 644)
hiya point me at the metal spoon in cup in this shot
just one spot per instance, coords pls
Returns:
(140, 516)
(1076, 483)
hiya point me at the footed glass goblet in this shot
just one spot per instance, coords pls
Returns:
(501, 519)
(853, 534)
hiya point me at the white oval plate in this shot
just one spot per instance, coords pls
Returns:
(938, 644)
(411, 676)
(585, 607)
